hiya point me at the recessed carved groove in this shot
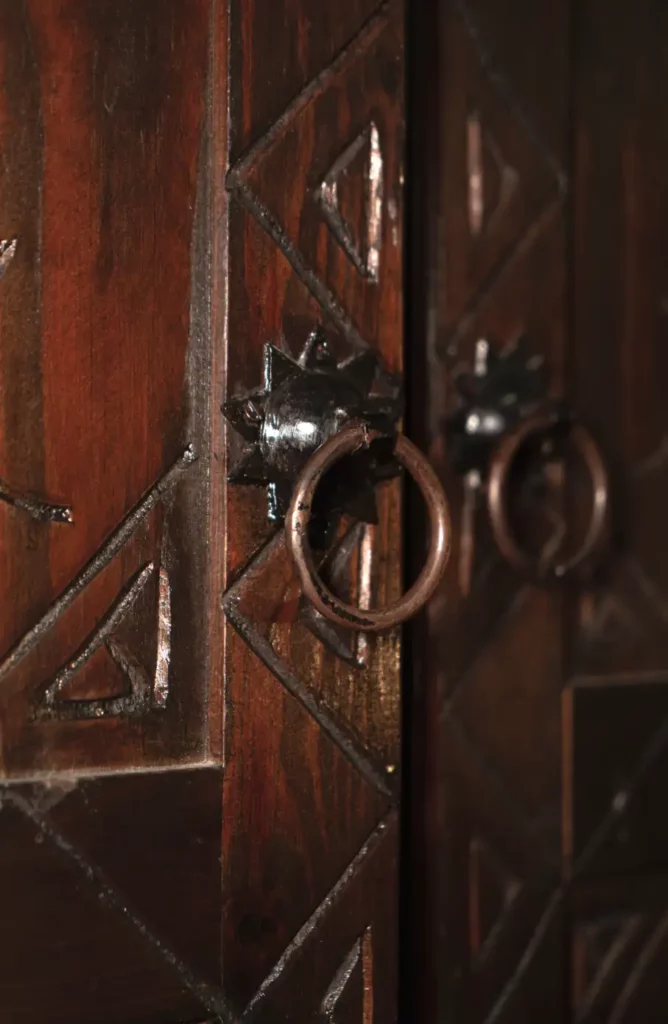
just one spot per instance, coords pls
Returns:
(368, 261)
(212, 999)
(36, 508)
(142, 696)
(499, 1011)
(480, 214)
(654, 749)
(7, 254)
(364, 38)
(507, 94)
(340, 980)
(361, 954)
(448, 349)
(316, 918)
(164, 647)
(476, 180)
(105, 554)
(237, 184)
(641, 965)
(314, 284)
(262, 647)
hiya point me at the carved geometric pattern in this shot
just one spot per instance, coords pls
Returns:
(251, 180)
(336, 990)
(356, 968)
(599, 951)
(328, 219)
(492, 181)
(269, 574)
(30, 804)
(492, 890)
(145, 693)
(364, 253)
(36, 508)
(513, 184)
(502, 201)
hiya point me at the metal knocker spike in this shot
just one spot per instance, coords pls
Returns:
(320, 435)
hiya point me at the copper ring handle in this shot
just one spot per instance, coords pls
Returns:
(497, 497)
(348, 440)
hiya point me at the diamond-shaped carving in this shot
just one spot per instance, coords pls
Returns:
(334, 209)
(330, 961)
(265, 607)
(502, 183)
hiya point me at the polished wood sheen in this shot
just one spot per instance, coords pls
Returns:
(199, 798)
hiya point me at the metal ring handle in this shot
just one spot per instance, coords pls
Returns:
(497, 497)
(348, 440)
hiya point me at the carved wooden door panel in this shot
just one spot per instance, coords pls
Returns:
(547, 706)
(199, 798)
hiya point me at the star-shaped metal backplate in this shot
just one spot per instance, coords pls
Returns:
(503, 389)
(302, 403)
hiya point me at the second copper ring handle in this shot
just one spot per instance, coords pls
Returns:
(502, 463)
(350, 439)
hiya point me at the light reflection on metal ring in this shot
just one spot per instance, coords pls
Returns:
(503, 460)
(350, 439)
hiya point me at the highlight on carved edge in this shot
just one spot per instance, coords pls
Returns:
(145, 693)
(366, 261)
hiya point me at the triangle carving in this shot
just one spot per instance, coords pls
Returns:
(72, 693)
(359, 169)
(351, 989)
(492, 890)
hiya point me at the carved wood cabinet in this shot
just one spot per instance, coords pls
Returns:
(541, 710)
(221, 800)
(199, 801)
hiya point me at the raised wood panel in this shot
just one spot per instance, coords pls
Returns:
(103, 211)
(112, 905)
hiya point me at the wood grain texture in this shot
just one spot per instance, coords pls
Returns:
(492, 731)
(312, 743)
(278, 49)
(104, 134)
(99, 885)
(146, 255)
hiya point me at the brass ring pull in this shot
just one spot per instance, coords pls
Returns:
(497, 497)
(348, 440)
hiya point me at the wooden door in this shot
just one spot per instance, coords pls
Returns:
(547, 708)
(199, 799)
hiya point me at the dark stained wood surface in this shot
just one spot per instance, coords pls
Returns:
(545, 844)
(199, 801)
(497, 271)
(312, 743)
(111, 898)
(103, 216)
